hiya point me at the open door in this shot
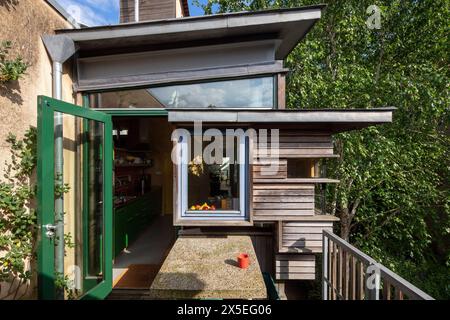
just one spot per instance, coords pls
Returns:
(74, 193)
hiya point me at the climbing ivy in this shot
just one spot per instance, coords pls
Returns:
(10, 69)
(17, 219)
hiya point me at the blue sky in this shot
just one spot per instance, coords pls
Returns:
(103, 12)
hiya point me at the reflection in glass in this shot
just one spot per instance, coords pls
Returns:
(239, 93)
(213, 188)
(82, 192)
(95, 208)
(140, 98)
(244, 93)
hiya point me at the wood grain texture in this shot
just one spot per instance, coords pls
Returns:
(295, 266)
(306, 235)
(281, 98)
(148, 10)
(295, 276)
(263, 245)
(282, 200)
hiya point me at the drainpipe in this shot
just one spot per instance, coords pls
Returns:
(59, 177)
(60, 48)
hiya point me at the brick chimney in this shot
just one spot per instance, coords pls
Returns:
(145, 10)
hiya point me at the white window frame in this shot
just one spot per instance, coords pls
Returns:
(235, 215)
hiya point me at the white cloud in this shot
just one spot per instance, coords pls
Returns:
(103, 4)
(92, 12)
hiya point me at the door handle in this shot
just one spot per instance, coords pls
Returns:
(50, 230)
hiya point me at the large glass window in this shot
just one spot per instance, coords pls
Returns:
(213, 182)
(237, 93)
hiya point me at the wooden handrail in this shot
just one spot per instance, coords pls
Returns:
(350, 274)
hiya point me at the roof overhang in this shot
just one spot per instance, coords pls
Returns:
(332, 120)
(287, 25)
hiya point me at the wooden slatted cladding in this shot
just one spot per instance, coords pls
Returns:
(148, 10)
(299, 236)
(282, 201)
(270, 170)
(276, 194)
(156, 9)
(127, 11)
(295, 267)
(294, 144)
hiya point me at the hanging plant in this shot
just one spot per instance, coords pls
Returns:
(196, 166)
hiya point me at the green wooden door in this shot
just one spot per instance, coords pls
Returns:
(74, 192)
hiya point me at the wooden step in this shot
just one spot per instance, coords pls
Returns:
(129, 294)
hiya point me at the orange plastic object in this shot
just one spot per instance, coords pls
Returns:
(243, 261)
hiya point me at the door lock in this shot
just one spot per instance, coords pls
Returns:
(50, 230)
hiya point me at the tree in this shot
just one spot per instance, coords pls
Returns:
(393, 199)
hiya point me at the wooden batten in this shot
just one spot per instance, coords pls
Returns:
(302, 236)
(275, 196)
(281, 92)
(293, 145)
(282, 201)
(295, 267)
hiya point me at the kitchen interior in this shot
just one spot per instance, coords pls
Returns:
(143, 207)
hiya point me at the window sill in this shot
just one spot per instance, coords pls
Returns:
(211, 223)
(212, 214)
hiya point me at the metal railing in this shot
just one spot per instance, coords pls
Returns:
(349, 274)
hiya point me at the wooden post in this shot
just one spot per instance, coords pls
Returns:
(325, 267)
(372, 289)
(386, 290)
(330, 248)
(361, 281)
(281, 92)
(334, 283)
(353, 264)
(340, 271)
(398, 294)
(347, 275)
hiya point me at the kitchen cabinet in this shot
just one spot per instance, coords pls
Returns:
(131, 218)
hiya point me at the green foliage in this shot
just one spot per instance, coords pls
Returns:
(393, 199)
(17, 219)
(10, 70)
(65, 284)
(60, 187)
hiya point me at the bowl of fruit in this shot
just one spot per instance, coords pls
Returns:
(202, 207)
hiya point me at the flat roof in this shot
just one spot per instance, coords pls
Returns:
(288, 25)
(333, 120)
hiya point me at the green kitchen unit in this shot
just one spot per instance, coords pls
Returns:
(132, 217)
